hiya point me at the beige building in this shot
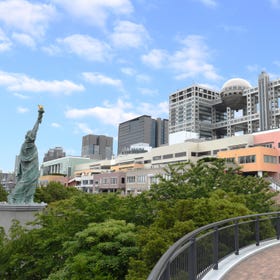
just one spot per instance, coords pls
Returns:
(141, 170)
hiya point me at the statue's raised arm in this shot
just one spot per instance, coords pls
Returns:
(33, 132)
(28, 167)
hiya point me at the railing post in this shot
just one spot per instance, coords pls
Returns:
(216, 248)
(192, 262)
(167, 271)
(257, 231)
(278, 227)
(236, 237)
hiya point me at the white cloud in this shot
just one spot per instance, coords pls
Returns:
(129, 35)
(26, 17)
(277, 63)
(51, 49)
(138, 76)
(116, 113)
(21, 96)
(86, 47)
(234, 28)
(253, 68)
(155, 58)
(56, 125)
(97, 78)
(189, 61)
(22, 110)
(5, 43)
(128, 71)
(209, 3)
(83, 128)
(5, 46)
(21, 82)
(24, 39)
(275, 3)
(157, 110)
(111, 114)
(143, 78)
(148, 91)
(95, 12)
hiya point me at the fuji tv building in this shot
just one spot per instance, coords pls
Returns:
(237, 109)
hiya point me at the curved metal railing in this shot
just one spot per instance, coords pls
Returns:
(195, 254)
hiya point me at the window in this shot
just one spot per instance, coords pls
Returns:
(130, 179)
(157, 158)
(141, 179)
(113, 181)
(215, 152)
(230, 160)
(182, 154)
(105, 181)
(269, 159)
(154, 180)
(201, 154)
(247, 159)
(167, 156)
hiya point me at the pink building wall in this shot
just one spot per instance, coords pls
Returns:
(269, 137)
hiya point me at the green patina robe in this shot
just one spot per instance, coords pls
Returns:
(28, 168)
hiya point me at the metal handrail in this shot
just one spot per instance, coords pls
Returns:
(187, 243)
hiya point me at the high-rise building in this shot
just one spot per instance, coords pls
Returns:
(7, 180)
(237, 109)
(54, 153)
(142, 129)
(97, 147)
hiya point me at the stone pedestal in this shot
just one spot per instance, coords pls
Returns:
(21, 212)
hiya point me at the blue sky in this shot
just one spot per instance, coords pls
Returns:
(94, 64)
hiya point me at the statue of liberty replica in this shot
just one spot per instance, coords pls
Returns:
(28, 167)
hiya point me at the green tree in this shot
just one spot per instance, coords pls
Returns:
(189, 180)
(53, 191)
(40, 252)
(3, 194)
(101, 251)
(173, 222)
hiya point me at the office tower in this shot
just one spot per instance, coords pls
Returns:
(97, 147)
(237, 109)
(190, 110)
(54, 153)
(142, 129)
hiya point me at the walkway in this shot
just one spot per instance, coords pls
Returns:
(253, 262)
(263, 265)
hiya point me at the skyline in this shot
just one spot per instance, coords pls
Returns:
(94, 64)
